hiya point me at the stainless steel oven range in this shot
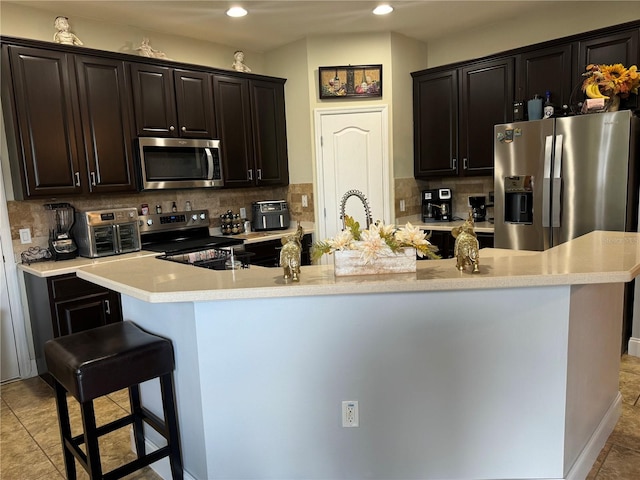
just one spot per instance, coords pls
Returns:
(184, 237)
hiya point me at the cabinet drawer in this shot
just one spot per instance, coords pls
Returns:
(70, 286)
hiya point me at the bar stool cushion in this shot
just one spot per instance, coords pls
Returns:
(102, 360)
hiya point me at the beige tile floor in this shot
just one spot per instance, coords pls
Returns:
(30, 445)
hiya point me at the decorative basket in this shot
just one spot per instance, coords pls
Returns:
(350, 262)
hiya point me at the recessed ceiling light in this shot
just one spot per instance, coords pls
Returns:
(236, 12)
(382, 10)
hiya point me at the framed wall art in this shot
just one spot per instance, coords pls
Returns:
(350, 81)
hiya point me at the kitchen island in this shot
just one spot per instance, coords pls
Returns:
(510, 373)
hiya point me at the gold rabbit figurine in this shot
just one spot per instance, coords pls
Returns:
(290, 254)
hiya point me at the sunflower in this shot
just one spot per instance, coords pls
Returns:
(612, 79)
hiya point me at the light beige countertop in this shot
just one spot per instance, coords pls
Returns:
(51, 268)
(480, 227)
(598, 257)
(256, 237)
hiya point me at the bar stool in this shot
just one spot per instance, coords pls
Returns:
(103, 360)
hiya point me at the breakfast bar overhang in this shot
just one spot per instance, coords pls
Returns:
(507, 374)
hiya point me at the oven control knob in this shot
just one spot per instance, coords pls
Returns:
(202, 216)
(149, 221)
(194, 217)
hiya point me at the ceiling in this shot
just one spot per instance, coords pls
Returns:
(271, 24)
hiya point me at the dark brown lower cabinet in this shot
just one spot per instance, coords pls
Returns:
(267, 254)
(66, 304)
(445, 242)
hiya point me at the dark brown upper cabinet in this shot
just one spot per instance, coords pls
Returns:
(609, 48)
(548, 69)
(486, 99)
(435, 123)
(68, 123)
(250, 115)
(106, 124)
(454, 114)
(172, 102)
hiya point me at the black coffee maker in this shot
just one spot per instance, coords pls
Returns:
(437, 205)
(478, 208)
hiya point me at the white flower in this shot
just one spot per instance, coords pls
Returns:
(342, 241)
(372, 245)
(413, 236)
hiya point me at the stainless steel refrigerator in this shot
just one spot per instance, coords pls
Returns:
(557, 179)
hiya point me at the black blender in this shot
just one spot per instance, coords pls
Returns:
(61, 218)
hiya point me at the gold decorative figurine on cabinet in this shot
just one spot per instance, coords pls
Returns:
(466, 248)
(291, 253)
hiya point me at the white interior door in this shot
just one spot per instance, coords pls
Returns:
(352, 153)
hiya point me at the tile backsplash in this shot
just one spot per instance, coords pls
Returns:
(31, 213)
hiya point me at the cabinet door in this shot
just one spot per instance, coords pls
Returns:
(153, 101)
(76, 315)
(486, 99)
(548, 69)
(47, 121)
(435, 124)
(269, 133)
(614, 48)
(194, 104)
(106, 124)
(233, 119)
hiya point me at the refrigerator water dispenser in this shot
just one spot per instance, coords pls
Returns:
(518, 199)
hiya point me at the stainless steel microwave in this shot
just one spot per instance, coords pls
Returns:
(179, 163)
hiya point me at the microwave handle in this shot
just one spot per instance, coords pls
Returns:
(209, 163)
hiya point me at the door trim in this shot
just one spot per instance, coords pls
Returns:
(388, 212)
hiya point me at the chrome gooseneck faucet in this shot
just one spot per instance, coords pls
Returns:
(363, 199)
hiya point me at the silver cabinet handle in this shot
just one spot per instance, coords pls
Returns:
(77, 174)
(465, 163)
(107, 307)
(259, 174)
(184, 129)
(250, 174)
(172, 128)
(93, 178)
(454, 163)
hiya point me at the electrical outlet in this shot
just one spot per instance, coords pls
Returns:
(243, 212)
(305, 201)
(402, 206)
(350, 413)
(25, 235)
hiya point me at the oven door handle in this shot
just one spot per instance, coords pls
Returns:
(209, 163)
(117, 246)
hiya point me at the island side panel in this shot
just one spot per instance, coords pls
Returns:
(450, 384)
(593, 366)
(175, 321)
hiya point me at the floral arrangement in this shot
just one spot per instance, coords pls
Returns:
(604, 81)
(379, 240)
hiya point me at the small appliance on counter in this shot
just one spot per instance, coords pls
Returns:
(61, 244)
(101, 233)
(437, 205)
(270, 215)
(478, 208)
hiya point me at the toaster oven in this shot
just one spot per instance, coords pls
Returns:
(270, 215)
(100, 233)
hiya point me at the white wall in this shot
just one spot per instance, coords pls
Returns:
(551, 20)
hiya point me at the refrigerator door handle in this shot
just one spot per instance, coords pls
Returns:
(556, 205)
(546, 182)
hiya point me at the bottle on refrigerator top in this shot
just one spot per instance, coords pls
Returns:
(548, 108)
